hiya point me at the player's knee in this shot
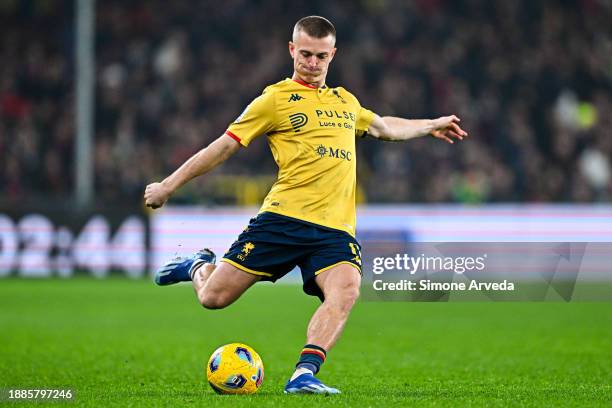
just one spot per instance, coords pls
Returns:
(212, 300)
(212, 303)
(345, 297)
(351, 295)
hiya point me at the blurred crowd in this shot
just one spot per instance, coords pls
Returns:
(531, 81)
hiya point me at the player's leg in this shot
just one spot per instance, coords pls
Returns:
(260, 252)
(201, 273)
(340, 286)
(218, 286)
(181, 268)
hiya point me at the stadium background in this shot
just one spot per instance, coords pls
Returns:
(531, 80)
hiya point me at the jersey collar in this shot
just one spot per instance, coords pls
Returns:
(306, 84)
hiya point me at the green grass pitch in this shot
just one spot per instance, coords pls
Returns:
(128, 343)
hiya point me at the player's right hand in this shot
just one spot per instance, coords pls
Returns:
(156, 195)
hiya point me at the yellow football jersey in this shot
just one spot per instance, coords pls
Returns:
(311, 132)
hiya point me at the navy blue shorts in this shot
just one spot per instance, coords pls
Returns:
(272, 245)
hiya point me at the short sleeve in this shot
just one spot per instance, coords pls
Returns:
(364, 120)
(256, 120)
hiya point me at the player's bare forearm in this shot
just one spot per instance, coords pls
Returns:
(398, 129)
(202, 162)
(156, 194)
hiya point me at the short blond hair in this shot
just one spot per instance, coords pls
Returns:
(315, 26)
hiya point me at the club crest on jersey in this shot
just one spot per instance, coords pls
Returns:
(295, 97)
(335, 92)
(298, 120)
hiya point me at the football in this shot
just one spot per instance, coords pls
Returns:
(235, 369)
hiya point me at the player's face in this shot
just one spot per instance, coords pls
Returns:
(311, 57)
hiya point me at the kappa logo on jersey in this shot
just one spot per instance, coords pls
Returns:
(295, 98)
(246, 250)
(323, 151)
(298, 120)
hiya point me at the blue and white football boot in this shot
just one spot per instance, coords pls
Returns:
(308, 384)
(179, 269)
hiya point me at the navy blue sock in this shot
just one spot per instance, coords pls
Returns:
(311, 358)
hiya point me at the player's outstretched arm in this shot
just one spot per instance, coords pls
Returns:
(398, 129)
(156, 194)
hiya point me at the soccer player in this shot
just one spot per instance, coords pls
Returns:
(308, 217)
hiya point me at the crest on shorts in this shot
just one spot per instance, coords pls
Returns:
(247, 248)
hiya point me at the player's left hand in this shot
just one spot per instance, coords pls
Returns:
(447, 128)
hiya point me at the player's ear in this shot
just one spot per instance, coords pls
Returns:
(292, 49)
(332, 54)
